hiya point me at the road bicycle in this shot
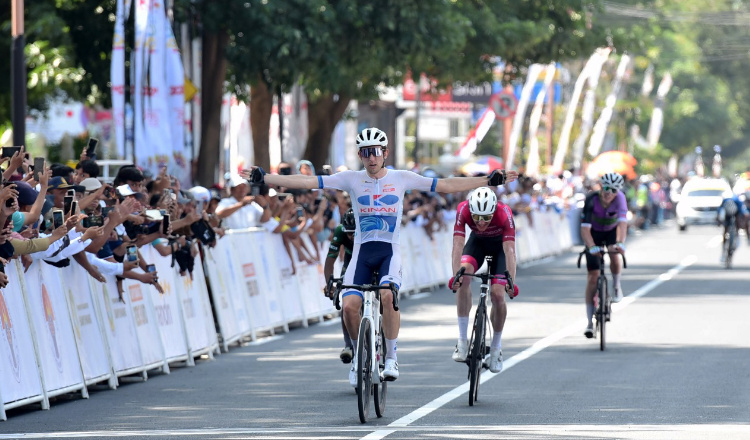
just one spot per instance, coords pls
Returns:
(478, 348)
(371, 348)
(730, 241)
(602, 298)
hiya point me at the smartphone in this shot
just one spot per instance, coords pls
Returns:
(300, 212)
(151, 268)
(255, 190)
(285, 171)
(91, 148)
(67, 203)
(71, 193)
(58, 218)
(154, 214)
(93, 220)
(165, 224)
(106, 210)
(282, 196)
(38, 167)
(132, 253)
(10, 151)
(74, 207)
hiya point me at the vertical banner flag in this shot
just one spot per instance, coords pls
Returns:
(182, 154)
(534, 71)
(600, 128)
(477, 134)
(139, 70)
(587, 117)
(117, 75)
(532, 163)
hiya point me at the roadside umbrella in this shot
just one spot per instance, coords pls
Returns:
(482, 165)
(612, 162)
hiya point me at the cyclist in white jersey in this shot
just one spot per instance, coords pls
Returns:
(377, 195)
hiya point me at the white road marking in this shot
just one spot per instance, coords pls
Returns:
(525, 354)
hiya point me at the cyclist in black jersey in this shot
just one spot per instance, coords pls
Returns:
(343, 235)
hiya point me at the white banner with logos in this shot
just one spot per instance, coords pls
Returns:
(48, 308)
(144, 315)
(20, 381)
(92, 345)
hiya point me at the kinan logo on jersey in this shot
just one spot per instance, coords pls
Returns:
(378, 203)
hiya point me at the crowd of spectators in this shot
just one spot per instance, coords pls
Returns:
(102, 222)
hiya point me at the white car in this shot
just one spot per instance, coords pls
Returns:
(699, 201)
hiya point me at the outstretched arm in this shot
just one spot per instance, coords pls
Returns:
(297, 181)
(458, 184)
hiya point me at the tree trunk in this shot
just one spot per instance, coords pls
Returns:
(261, 105)
(212, 85)
(322, 117)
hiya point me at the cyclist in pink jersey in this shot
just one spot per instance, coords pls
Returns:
(493, 233)
(377, 195)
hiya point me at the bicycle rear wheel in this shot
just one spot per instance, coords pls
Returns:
(380, 390)
(731, 244)
(601, 313)
(364, 370)
(476, 357)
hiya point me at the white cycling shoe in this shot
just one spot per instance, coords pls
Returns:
(461, 351)
(353, 374)
(618, 295)
(496, 361)
(390, 372)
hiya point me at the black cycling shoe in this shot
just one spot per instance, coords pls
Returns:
(346, 355)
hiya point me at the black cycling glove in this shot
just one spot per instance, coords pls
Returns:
(496, 178)
(257, 175)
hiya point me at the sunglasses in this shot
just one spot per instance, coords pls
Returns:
(609, 189)
(481, 218)
(370, 151)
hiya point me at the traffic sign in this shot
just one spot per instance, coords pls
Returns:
(503, 104)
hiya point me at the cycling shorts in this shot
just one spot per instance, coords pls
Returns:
(373, 256)
(606, 237)
(477, 248)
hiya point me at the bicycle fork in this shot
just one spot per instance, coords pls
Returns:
(370, 305)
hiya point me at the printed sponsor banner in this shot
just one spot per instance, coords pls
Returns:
(119, 326)
(52, 327)
(146, 325)
(199, 320)
(255, 282)
(86, 325)
(166, 306)
(220, 287)
(227, 260)
(19, 373)
(288, 287)
(270, 283)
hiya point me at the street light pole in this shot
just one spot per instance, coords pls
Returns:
(18, 75)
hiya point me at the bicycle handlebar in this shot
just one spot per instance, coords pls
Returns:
(485, 277)
(362, 288)
(601, 257)
(333, 295)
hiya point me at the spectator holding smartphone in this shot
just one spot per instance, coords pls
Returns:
(239, 210)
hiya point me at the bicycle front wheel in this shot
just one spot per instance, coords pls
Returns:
(601, 315)
(476, 357)
(379, 390)
(364, 370)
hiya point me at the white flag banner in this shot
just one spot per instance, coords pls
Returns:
(600, 128)
(476, 135)
(117, 75)
(532, 163)
(138, 78)
(587, 116)
(181, 153)
(520, 116)
(657, 117)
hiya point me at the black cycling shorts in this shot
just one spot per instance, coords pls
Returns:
(477, 248)
(600, 237)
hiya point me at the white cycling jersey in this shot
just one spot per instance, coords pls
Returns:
(377, 203)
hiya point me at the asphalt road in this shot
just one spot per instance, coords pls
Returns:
(675, 367)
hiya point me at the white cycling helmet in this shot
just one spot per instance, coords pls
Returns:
(201, 194)
(482, 201)
(372, 137)
(613, 180)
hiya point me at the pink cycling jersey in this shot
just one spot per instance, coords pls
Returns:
(501, 225)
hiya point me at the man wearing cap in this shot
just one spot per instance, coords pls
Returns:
(30, 202)
(240, 210)
(58, 187)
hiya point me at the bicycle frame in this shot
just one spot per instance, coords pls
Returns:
(730, 241)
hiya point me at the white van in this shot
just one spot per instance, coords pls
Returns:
(699, 201)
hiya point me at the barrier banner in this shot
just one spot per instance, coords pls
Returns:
(167, 305)
(268, 282)
(222, 301)
(227, 262)
(61, 368)
(288, 287)
(196, 307)
(92, 347)
(255, 288)
(119, 326)
(19, 373)
(149, 338)
(308, 279)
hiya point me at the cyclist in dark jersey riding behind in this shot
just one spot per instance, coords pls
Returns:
(731, 207)
(604, 221)
(343, 235)
(493, 233)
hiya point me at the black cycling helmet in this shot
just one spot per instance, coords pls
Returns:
(347, 221)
